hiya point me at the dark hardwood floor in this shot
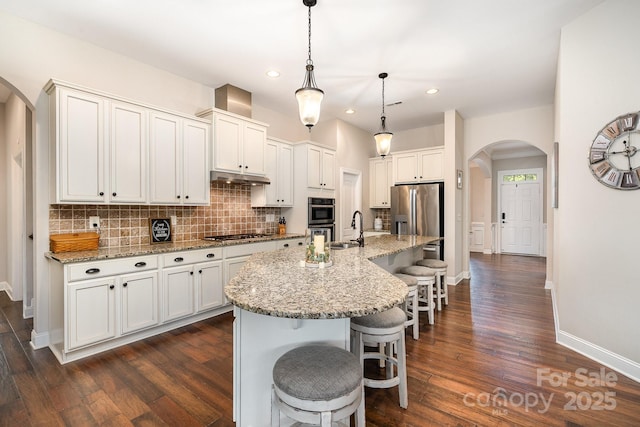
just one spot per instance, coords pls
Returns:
(490, 360)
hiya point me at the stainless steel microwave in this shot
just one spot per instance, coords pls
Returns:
(321, 211)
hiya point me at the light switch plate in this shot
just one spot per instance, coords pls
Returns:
(94, 222)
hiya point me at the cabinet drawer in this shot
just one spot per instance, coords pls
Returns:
(191, 257)
(289, 243)
(89, 270)
(247, 249)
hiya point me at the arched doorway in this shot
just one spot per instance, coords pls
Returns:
(501, 199)
(16, 211)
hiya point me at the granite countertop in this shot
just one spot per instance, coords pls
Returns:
(273, 283)
(158, 248)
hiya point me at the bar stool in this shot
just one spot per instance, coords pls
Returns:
(426, 279)
(385, 328)
(317, 384)
(441, 288)
(410, 305)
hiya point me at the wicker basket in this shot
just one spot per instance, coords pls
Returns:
(73, 242)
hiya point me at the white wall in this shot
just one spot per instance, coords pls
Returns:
(414, 139)
(455, 232)
(3, 199)
(596, 237)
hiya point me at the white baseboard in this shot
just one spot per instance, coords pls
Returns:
(466, 275)
(487, 251)
(608, 358)
(4, 286)
(39, 341)
(27, 312)
(457, 279)
(548, 284)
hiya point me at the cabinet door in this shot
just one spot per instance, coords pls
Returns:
(314, 167)
(254, 139)
(271, 167)
(227, 140)
(232, 266)
(177, 295)
(285, 175)
(209, 285)
(91, 312)
(139, 301)
(81, 147)
(328, 170)
(128, 154)
(380, 170)
(405, 168)
(195, 169)
(431, 166)
(165, 159)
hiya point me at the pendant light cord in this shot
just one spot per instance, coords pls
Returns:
(309, 61)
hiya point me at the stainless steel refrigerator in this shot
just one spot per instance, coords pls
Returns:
(419, 209)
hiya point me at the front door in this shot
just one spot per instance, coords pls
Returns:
(520, 212)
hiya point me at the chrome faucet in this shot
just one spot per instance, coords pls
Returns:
(360, 239)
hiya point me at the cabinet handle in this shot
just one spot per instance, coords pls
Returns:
(200, 271)
(178, 196)
(191, 273)
(178, 259)
(114, 194)
(300, 243)
(101, 193)
(93, 271)
(186, 197)
(124, 285)
(286, 245)
(211, 255)
(112, 286)
(239, 166)
(246, 167)
(140, 264)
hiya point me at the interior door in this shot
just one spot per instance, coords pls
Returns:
(349, 201)
(520, 217)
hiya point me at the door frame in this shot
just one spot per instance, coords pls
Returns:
(358, 201)
(501, 174)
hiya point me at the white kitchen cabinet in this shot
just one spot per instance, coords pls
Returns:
(380, 182)
(128, 151)
(91, 312)
(418, 166)
(178, 287)
(78, 141)
(139, 296)
(238, 143)
(209, 286)
(320, 165)
(278, 160)
(289, 243)
(178, 160)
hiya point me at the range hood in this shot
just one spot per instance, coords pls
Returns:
(237, 178)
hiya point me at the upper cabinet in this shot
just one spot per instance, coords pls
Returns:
(418, 166)
(238, 143)
(179, 168)
(320, 165)
(278, 160)
(108, 150)
(380, 182)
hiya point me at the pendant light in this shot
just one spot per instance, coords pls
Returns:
(309, 96)
(383, 138)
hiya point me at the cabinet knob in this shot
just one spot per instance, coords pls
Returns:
(93, 271)
(186, 197)
(178, 196)
(239, 166)
(211, 255)
(140, 264)
(101, 193)
(200, 271)
(420, 176)
(178, 259)
(113, 194)
(300, 243)
(246, 167)
(191, 273)
(111, 286)
(124, 285)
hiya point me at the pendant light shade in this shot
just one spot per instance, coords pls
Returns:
(309, 96)
(383, 138)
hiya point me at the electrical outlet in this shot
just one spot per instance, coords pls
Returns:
(94, 222)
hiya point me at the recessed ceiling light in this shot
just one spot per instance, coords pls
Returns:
(273, 73)
(350, 111)
(432, 91)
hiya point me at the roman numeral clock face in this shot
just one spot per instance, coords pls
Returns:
(614, 158)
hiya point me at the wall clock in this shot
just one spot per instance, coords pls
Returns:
(613, 158)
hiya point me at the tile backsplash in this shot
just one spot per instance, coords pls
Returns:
(385, 215)
(229, 212)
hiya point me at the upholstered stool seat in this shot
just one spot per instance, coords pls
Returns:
(317, 384)
(440, 288)
(426, 280)
(386, 328)
(411, 303)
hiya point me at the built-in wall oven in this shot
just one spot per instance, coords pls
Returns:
(322, 214)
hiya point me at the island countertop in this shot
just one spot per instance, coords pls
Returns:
(274, 283)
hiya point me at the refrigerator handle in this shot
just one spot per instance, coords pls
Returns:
(413, 217)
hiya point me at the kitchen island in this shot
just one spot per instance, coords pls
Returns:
(280, 304)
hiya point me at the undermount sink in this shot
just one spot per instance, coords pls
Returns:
(344, 245)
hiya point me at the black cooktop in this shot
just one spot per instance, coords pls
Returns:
(234, 236)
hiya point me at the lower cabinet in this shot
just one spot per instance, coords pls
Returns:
(102, 304)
